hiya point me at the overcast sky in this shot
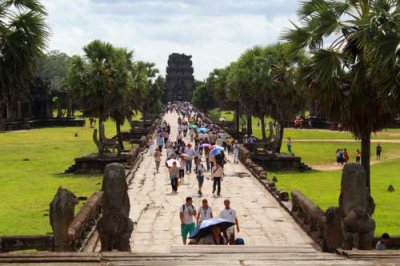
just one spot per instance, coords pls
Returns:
(214, 32)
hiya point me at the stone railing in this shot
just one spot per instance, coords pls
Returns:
(309, 216)
(84, 223)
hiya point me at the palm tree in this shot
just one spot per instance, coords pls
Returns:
(101, 82)
(341, 37)
(23, 37)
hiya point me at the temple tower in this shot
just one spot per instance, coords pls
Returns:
(180, 80)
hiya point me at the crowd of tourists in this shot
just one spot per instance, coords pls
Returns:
(198, 147)
(343, 157)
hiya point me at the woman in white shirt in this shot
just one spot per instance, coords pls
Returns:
(204, 213)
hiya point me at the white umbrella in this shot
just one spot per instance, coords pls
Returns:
(170, 163)
(222, 119)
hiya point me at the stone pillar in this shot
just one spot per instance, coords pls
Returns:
(115, 226)
(61, 216)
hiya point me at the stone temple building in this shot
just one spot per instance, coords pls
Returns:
(180, 80)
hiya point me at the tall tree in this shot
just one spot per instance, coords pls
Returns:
(101, 81)
(23, 36)
(342, 75)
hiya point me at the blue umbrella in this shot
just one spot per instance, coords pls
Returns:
(204, 229)
(216, 151)
(202, 130)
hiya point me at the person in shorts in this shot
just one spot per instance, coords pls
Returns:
(229, 214)
(186, 214)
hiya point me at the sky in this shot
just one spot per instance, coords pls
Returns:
(214, 32)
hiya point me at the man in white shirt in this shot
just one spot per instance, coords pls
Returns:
(186, 214)
(204, 213)
(229, 214)
(189, 151)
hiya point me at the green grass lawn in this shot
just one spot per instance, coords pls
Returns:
(31, 169)
(315, 153)
(323, 187)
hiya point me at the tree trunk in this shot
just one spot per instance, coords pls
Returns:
(101, 130)
(237, 118)
(59, 108)
(119, 136)
(365, 157)
(264, 133)
(280, 138)
(249, 126)
(8, 111)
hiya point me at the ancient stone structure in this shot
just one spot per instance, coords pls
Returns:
(35, 109)
(61, 216)
(180, 81)
(356, 207)
(115, 226)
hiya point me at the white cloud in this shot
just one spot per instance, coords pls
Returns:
(214, 32)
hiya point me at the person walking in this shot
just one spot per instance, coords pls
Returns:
(186, 214)
(346, 156)
(229, 214)
(378, 151)
(204, 212)
(173, 175)
(157, 159)
(217, 173)
(358, 156)
(182, 169)
(190, 152)
(160, 143)
(289, 145)
(236, 151)
(151, 146)
(199, 170)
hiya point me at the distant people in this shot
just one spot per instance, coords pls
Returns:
(289, 145)
(173, 175)
(160, 143)
(190, 152)
(229, 214)
(217, 173)
(236, 151)
(186, 214)
(358, 156)
(182, 169)
(346, 156)
(378, 151)
(199, 170)
(383, 243)
(151, 146)
(157, 159)
(204, 212)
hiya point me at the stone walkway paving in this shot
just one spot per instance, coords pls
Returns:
(155, 211)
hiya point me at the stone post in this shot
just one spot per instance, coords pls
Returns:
(115, 227)
(61, 216)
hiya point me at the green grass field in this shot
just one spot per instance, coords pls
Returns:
(323, 187)
(31, 169)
